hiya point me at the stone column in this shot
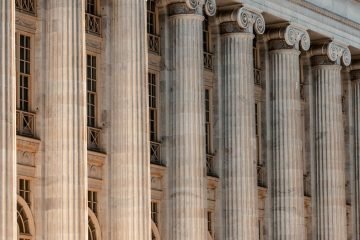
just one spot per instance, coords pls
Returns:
(8, 225)
(240, 208)
(286, 173)
(187, 186)
(65, 166)
(129, 156)
(355, 166)
(329, 173)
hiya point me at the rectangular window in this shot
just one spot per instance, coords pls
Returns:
(155, 213)
(92, 201)
(208, 121)
(206, 34)
(24, 190)
(257, 132)
(23, 72)
(209, 220)
(153, 106)
(91, 7)
(91, 90)
(151, 17)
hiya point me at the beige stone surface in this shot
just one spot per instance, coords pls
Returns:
(7, 122)
(65, 169)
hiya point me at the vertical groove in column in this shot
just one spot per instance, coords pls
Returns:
(356, 164)
(129, 154)
(240, 185)
(287, 199)
(65, 122)
(187, 163)
(330, 207)
(8, 229)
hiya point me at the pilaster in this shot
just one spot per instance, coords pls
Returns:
(129, 153)
(65, 166)
(286, 172)
(329, 180)
(8, 229)
(240, 202)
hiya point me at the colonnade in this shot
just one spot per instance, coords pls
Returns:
(65, 119)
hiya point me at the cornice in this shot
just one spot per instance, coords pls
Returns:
(326, 13)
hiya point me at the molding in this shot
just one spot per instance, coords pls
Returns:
(26, 171)
(27, 144)
(96, 158)
(95, 184)
(326, 13)
(25, 22)
(157, 170)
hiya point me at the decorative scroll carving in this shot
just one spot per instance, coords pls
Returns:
(330, 53)
(291, 35)
(247, 21)
(193, 4)
(193, 7)
(210, 7)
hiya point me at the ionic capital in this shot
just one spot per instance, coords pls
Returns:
(289, 36)
(330, 53)
(194, 6)
(241, 19)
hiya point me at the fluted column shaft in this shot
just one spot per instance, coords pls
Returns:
(129, 139)
(240, 185)
(329, 185)
(7, 121)
(65, 122)
(287, 192)
(356, 160)
(187, 144)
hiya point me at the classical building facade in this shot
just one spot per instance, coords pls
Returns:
(179, 120)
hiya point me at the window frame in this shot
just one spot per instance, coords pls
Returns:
(209, 145)
(96, 5)
(156, 18)
(257, 123)
(157, 102)
(18, 35)
(18, 190)
(92, 202)
(96, 93)
(206, 32)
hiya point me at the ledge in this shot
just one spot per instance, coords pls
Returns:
(27, 144)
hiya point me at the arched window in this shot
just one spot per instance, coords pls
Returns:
(155, 234)
(25, 221)
(94, 232)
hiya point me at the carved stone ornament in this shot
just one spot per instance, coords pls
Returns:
(336, 51)
(331, 52)
(196, 5)
(292, 35)
(246, 21)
